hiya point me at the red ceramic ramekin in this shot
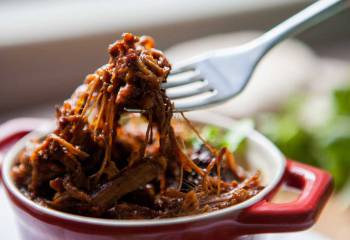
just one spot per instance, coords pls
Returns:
(256, 215)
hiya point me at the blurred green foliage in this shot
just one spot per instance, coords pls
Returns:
(326, 146)
(234, 138)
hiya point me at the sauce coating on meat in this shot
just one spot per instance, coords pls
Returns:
(102, 161)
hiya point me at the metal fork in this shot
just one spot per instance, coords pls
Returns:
(222, 74)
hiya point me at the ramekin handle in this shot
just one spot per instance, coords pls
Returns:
(316, 187)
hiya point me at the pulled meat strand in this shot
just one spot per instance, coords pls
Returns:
(128, 181)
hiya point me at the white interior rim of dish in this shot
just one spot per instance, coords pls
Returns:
(201, 117)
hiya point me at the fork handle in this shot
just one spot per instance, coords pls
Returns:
(310, 16)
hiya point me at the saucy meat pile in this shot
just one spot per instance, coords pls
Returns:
(103, 161)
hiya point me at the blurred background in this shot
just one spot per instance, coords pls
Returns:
(299, 96)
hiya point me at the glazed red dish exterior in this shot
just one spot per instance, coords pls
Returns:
(256, 215)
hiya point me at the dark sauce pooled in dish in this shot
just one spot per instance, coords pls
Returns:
(102, 161)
